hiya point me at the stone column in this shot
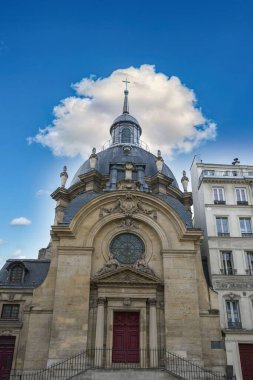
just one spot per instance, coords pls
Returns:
(153, 346)
(99, 342)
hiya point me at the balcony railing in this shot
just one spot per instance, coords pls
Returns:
(223, 234)
(218, 202)
(237, 172)
(229, 271)
(140, 144)
(247, 234)
(242, 203)
(234, 325)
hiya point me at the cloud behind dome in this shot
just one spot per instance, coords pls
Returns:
(165, 108)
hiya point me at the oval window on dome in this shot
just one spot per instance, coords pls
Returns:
(127, 248)
(126, 135)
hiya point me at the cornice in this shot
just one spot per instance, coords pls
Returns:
(62, 231)
(61, 193)
(177, 252)
(71, 251)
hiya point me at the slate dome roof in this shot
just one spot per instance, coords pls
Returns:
(125, 118)
(116, 154)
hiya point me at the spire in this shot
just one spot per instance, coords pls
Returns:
(126, 106)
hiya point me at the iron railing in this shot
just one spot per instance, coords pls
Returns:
(105, 359)
(187, 370)
(235, 325)
(140, 144)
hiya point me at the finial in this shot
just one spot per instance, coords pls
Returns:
(64, 176)
(126, 106)
(185, 181)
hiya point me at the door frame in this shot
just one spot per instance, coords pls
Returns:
(135, 306)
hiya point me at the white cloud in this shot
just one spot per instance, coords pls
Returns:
(18, 254)
(22, 221)
(165, 108)
(42, 192)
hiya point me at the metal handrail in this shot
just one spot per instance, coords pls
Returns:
(78, 364)
(140, 144)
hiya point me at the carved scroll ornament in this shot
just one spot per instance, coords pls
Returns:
(128, 205)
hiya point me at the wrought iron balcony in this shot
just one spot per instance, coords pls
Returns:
(228, 271)
(247, 234)
(249, 271)
(236, 173)
(234, 325)
(223, 234)
(242, 203)
(218, 202)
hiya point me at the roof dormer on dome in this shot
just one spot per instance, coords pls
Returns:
(125, 129)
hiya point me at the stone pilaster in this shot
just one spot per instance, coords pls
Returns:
(153, 346)
(99, 340)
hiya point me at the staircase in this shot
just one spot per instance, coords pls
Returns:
(98, 365)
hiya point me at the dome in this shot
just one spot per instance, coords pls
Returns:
(117, 155)
(125, 118)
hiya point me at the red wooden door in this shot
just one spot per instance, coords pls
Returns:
(246, 356)
(126, 333)
(7, 344)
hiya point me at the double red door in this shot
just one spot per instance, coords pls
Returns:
(7, 344)
(246, 356)
(126, 333)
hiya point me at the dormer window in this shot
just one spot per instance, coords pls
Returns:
(16, 274)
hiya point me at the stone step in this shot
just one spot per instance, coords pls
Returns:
(125, 374)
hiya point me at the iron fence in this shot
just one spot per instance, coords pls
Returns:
(106, 359)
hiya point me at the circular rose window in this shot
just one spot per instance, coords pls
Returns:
(127, 248)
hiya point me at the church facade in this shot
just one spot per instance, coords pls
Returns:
(122, 276)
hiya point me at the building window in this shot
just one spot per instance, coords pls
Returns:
(227, 263)
(126, 135)
(250, 262)
(222, 226)
(10, 311)
(241, 197)
(208, 172)
(16, 274)
(233, 315)
(218, 195)
(246, 227)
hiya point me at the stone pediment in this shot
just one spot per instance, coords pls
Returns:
(129, 276)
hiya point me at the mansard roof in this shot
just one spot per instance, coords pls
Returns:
(36, 271)
(81, 200)
(117, 155)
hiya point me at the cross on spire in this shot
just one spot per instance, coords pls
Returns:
(126, 106)
(126, 82)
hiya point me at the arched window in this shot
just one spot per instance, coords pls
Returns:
(126, 135)
(16, 274)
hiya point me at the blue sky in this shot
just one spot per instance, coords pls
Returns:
(45, 46)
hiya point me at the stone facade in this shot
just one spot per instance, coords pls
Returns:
(73, 308)
(225, 191)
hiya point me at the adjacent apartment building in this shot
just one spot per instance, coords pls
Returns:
(223, 208)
